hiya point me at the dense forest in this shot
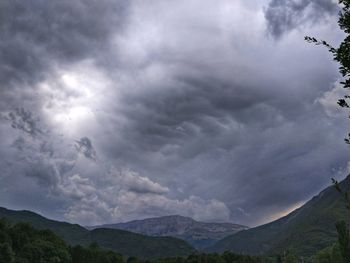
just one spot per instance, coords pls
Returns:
(22, 243)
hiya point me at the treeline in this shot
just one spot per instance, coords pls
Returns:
(340, 251)
(227, 257)
(21, 243)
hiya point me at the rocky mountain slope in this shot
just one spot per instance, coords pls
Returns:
(198, 234)
(123, 242)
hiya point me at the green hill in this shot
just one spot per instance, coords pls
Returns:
(124, 242)
(305, 230)
(21, 243)
(71, 233)
(140, 246)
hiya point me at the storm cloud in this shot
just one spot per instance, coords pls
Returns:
(285, 15)
(84, 146)
(120, 110)
(37, 33)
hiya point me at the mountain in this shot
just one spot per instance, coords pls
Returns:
(124, 242)
(71, 233)
(198, 234)
(306, 230)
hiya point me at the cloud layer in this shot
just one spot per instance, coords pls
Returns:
(285, 15)
(115, 111)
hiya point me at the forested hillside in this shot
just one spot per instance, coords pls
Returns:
(21, 243)
(127, 243)
(305, 230)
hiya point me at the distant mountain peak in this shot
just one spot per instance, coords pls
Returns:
(127, 243)
(167, 217)
(199, 234)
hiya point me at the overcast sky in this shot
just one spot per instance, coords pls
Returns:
(218, 110)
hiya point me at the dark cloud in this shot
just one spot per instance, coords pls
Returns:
(283, 16)
(38, 35)
(24, 120)
(191, 113)
(230, 130)
(84, 146)
(57, 169)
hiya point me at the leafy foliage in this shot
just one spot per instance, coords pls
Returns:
(342, 53)
(329, 255)
(344, 240)
(21, 243)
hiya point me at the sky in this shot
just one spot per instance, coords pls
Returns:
(116, 110)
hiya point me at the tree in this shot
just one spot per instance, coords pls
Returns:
(342, 53)
(342, 56)
(329, 255)
(132, 260)
(289, 257)
(6, 253)
(344, 240)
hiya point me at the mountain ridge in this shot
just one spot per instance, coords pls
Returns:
(199, 234)
(305, 230)
(121, 241)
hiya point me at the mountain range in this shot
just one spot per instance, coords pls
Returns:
(123, 242)
(305, 231)
(198, 234)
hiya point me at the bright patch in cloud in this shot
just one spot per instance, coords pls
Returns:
(72, 96)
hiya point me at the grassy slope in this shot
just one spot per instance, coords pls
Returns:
(305, 230)
(124, 242)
